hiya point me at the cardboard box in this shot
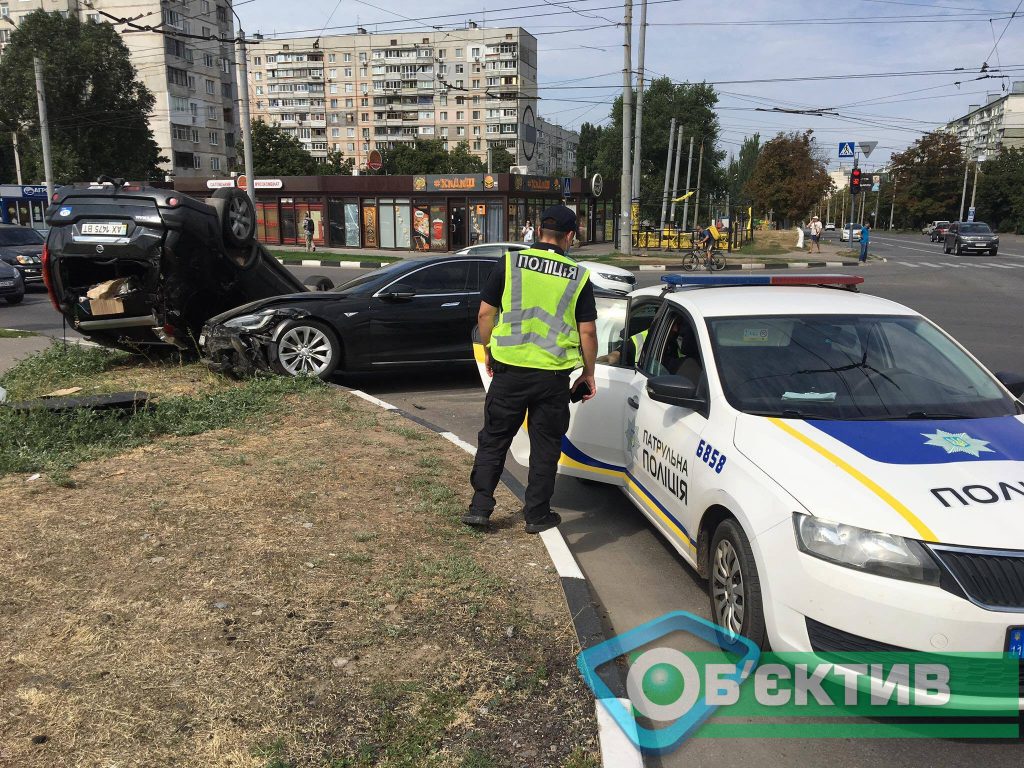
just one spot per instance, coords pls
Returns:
(104, 298)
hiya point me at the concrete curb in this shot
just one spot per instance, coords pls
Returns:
(332, 263)
(617, 751)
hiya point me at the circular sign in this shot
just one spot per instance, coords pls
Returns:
(375, 162)
(597, 184)
(528, 133)
(241, 182)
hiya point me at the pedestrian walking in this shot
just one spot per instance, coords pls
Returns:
(527, 233)
(865, 238)
(537, 324)
(815, 235)
(309, 229)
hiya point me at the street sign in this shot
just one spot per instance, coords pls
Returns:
(566, 186)
(846, 149)
(374, 162)
(876, 179)
(874, 187)
(970, 213)
(867, 147)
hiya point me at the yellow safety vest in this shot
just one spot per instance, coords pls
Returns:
(637, 340)
(536, 327)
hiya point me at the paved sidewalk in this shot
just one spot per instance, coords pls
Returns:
(13, 350)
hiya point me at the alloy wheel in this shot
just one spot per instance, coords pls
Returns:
(727, 587)
(239, 218)
(304, 350)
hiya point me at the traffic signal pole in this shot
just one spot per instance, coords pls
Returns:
(853, 197)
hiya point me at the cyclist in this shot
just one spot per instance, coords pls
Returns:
(707, 240)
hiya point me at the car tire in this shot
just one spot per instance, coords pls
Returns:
(734, 587)
(306, 348)
(16, 299)
(994, 252)
(238, 224)
(945, 248)
(958, 249)
(318, 283)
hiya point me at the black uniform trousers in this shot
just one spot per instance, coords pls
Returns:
(514, 393)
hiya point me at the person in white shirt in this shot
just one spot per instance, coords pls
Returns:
(528, 233)
(815, 234)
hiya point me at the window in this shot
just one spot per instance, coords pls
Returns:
(211, 112)
(346, 57)
(460, 115)
(184, 160)
(214, 163)
(180, 132)
(206, 33)
(458, 53)
(476, 114)
(438, 279)
(197, 162)
(214, 138)
(257, 60)
(475, 53)
(351, 132)
(195, 136)
(348, 71)
(351, 146)
(222, 14)
(5, 11)
(460, 131)
(459, 69)
(349, 103)
(210, 87)
(331, 58)
(444, 132)
(179, 104)
(476, 144)
(476, 83)
(177, 76)
(334, 103)
(335, 133)
(444, 115)
(204, 6)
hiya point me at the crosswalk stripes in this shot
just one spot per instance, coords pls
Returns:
(961, 265)
(908, 264)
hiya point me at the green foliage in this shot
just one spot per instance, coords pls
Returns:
(692, 104)
(789, 178)
(97, 110)
(429, 156)
(276, 153)
(336, 165)
(928, 177)
(586, 152)
(57, 366)
(501, 160)
(741, 168)
(1000, 195)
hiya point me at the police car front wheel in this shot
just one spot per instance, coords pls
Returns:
(733, 584)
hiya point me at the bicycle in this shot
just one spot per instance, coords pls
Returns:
(698, 258)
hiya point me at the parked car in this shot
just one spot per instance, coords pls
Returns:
(12, 286)
(939, 231)
(929, 228)
(22, 248)
(602, 276)
(816, 455)
(830, 226)
(130, 265)
(844, 236)
(966, 236)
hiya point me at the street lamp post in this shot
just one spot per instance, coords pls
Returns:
(242, 70)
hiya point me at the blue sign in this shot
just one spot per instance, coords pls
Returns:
(874, 187)
(846, 149)
(970, 213)
(33, 192)
(64, 212)
(566, 186)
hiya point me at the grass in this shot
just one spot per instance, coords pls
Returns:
(290, 255)
(11, 333)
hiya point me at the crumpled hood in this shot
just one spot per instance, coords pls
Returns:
(290, 299)
(955, 481)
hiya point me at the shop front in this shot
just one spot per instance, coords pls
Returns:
(20, 204)
(424, 213)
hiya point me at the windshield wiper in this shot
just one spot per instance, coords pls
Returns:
(790, 413)
(912, 415)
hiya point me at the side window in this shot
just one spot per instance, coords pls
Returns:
(479, 273)
(674, 350)
(611, 320)
(449, 277)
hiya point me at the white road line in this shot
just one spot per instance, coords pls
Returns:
(937, 249)
(451, 437)
(617, 750)
(980, 266)
(951, 266)
(653, 267)
(929, 264)
(1004, 266)
(560, 555)
(908, 264)
(374, 400)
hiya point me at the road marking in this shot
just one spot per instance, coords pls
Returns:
(617, 750)
(929, 264)
(953, 266)
(560, 555)
(1006, 266)
(981, 266)
(374, 400)
(908, 264)
(451, 437)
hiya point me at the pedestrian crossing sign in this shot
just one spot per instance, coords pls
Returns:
(846, 149)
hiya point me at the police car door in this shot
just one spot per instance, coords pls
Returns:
(663, 438)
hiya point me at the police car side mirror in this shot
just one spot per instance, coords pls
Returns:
(1013, 382)
(675, 390)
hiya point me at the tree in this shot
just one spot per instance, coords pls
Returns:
(586, 152)
(336, 164)
(742, 168)
(98, 111)
(692, 104)
(501, 160)
(1000, 197)
(275, 152)
(928, 177)
(790, 177)
(430, 156)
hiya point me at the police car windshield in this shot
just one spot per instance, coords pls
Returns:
(848, 367)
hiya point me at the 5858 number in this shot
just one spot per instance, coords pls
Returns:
(711, 456)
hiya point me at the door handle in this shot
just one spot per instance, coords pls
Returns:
(633, 402)
(451, 304)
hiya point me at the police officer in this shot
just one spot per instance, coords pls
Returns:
(537, 323)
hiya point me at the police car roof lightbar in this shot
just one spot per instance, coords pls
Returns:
(847, 281)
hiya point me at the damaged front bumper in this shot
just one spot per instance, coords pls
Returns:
(236, 347)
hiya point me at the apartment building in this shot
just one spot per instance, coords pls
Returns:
(999, 123)
(358, 92)
(556, 150)
(194, 120)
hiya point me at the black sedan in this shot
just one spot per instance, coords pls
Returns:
(22, 248)
(412, 312)
(12, 287)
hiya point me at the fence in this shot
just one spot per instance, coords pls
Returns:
(734, 232)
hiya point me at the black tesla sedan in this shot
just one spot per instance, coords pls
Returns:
(412, 312)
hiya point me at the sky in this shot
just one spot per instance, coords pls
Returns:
(733, 43)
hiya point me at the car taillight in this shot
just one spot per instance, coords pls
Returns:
(47, 281)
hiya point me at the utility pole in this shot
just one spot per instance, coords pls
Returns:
(626, 184)
(853, 201)
(639, 100)
(668, 170)
(696, 197)
(686, 202)
(892, 209)
(17, 159)
(243, 97)
(878, 196)
(974, 186)
(489, 159)
(675, 178)
(963, 194)
(44, 127)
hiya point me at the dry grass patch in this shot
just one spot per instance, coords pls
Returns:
(293, 591)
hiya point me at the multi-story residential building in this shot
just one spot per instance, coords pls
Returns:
(359, 92)
(556, 150)
(194, 120)
(999, 123)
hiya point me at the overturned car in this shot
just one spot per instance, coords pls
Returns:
(134, 266)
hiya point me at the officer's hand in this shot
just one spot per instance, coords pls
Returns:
(589, 380)
(487, 363)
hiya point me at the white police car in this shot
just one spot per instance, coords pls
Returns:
(845, 475)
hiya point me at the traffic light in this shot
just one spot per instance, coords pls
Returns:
(855, 181)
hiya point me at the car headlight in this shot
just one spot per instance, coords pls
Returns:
(251, 322)
(882, 554)
(617, 278)
(27, 259)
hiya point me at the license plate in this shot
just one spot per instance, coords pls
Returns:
(104, 228)
(6, 283)
(1015, 641)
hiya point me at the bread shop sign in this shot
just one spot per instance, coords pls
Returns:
(241, 183)
(455, 183)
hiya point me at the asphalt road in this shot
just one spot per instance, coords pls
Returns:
(635, 575)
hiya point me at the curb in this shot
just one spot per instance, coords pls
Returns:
(763, 265)
(617, 751)
(332, 263)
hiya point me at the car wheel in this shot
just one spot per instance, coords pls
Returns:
(993, 252)
(307, 348)
(239, 224)
(734, 586)
(318, 283)
(15, 299)
(945, 247)
(959, 250)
